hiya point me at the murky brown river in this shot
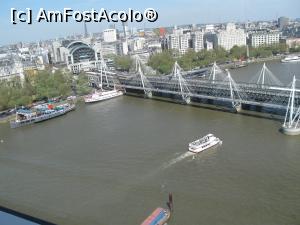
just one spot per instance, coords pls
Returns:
(114, 162)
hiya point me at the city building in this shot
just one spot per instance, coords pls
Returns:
(137, 44)
(184, 41)
(162, 32)
(283, 22)
(108, 48)
(230, 37)
(77, 55)
(110, 35)
(125, 29)
(209, 28)
(122, 48)
(198, 41)
(266, 37)
(209, 45)
(209, 39)
(293, 42)
(181, 41)
(173, 42)
(154, 46)
(11, 67)
(81, 57)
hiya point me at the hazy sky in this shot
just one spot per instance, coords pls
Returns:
(170, 12)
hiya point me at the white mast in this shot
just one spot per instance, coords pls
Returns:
(290, 107)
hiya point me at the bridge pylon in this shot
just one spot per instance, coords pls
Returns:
(234, 93)
(266, 77)
(214, 71)
(184, 89)
(103, 72)
(147, 87)
(291, 121)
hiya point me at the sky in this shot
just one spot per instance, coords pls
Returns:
(170, 12)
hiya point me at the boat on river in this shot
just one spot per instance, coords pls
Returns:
(204, 143)
(159, 216)
(40, 113)
(288, 59)
(98, 96)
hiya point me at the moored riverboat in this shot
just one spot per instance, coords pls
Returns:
(40, 113)
(288, 59)
(98, 96)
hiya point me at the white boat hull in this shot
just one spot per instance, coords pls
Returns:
(102, 97)
(16, 124)
(205, 146)
(291, 59)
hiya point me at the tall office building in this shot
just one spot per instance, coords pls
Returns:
(125, 29)
(283, 22)
(179, 42)
(85, 30)
(184, 41)
(198, 41)
(173, 41)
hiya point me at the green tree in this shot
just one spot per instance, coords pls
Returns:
(12, 94)
(162, 62)
(189, 60)
(48, 85)
(4, 95)
(82, 85)
(123, 63)
(238, 52)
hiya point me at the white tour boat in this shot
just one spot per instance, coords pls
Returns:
(204, 143)
(287, 59)
(98, 96)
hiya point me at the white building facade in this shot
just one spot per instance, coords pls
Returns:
(179, 42)
(184, 43)
(173, 42)
(198, 41)
(264, 38)
(110, 35)
(231, 37)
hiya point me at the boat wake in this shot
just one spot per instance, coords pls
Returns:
(178, 159)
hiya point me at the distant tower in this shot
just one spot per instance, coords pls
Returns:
(283, 22)
(85, 30)
(112, 26)
(125, 29)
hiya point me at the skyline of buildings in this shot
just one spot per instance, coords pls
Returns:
(123, 27)
(170, 13)
(83, 52)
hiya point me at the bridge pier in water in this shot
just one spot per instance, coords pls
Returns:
(291, 124)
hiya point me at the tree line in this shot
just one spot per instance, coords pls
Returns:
(43, 85)
(163, 62)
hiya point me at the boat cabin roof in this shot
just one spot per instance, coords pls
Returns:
(24, 111)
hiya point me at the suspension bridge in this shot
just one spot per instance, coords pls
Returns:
(217, 87)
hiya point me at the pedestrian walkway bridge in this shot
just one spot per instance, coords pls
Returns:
(217, 87)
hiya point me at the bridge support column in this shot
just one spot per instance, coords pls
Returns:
(291, 124)
(145, 83)
(234, 94)
(184, 90)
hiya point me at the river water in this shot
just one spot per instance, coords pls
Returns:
(114, 162)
